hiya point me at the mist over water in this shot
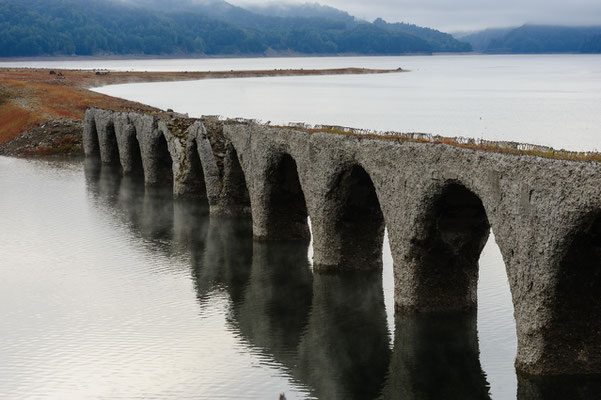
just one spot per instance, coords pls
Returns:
(113, 289)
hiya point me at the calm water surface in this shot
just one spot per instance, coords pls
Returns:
(112, 290)
(552, 100)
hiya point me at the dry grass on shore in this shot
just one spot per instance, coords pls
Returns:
(33, 98)
(14, 120)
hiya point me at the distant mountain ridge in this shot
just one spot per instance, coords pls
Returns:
(304, 10)
(440, 42)
(536, 39)
(199, 27)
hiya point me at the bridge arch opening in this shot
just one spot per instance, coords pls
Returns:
(136, 167)
(111, 146)
(235, 190)
(93, 142)
(455, 270)
(195, 181)
(445, 260)
(287, 217)
(164, 162)
(358, 220)
(574, 335)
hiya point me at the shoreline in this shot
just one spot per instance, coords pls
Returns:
(41, 109)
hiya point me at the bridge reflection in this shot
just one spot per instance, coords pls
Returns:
(328, 331)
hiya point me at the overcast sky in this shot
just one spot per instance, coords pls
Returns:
(457, 15)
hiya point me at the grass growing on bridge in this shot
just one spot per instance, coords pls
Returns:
(514, 148)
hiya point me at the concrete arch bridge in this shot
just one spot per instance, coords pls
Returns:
(439, 203)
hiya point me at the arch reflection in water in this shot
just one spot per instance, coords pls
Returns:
(274, 312)
(436, 357)
(559, 387)
(225, 259)
(149, 212)
(327, 332)
(346, 350)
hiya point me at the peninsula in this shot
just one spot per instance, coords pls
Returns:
(41, 110)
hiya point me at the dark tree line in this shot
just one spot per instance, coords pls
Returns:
(75, 27)
(533, 39)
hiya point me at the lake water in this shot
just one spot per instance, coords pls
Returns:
(111, 290)
(552, 100)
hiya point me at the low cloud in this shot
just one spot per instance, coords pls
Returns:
(468, 14)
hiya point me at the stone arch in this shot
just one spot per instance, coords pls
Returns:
(110, 145)
(285, 206)
(573, 338)
(92, 143)
(135, 165)
(163, 161)
(441, 269)
(351, 224)
(235, 197)
(195, 179)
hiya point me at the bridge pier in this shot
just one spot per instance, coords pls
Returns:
(279, 208)
(234, 197)
(568, 340)
(348, 227)
(439, 272)
(107, 142)
(130, 155)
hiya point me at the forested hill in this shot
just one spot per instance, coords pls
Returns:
(536, 39)
(185, 27)
(440, 42)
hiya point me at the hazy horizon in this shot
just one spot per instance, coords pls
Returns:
(463, 15)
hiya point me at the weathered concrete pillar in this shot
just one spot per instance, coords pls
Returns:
(234, 199)
(279, 207)
(439, 271)
(129, 148)
(107, 138)
(146, 130)
(211, 144)
(159, 168)
(91, 146)
(559, 290)
(200, 175)
(348, 224)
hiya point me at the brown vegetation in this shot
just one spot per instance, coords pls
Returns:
(514, 148)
